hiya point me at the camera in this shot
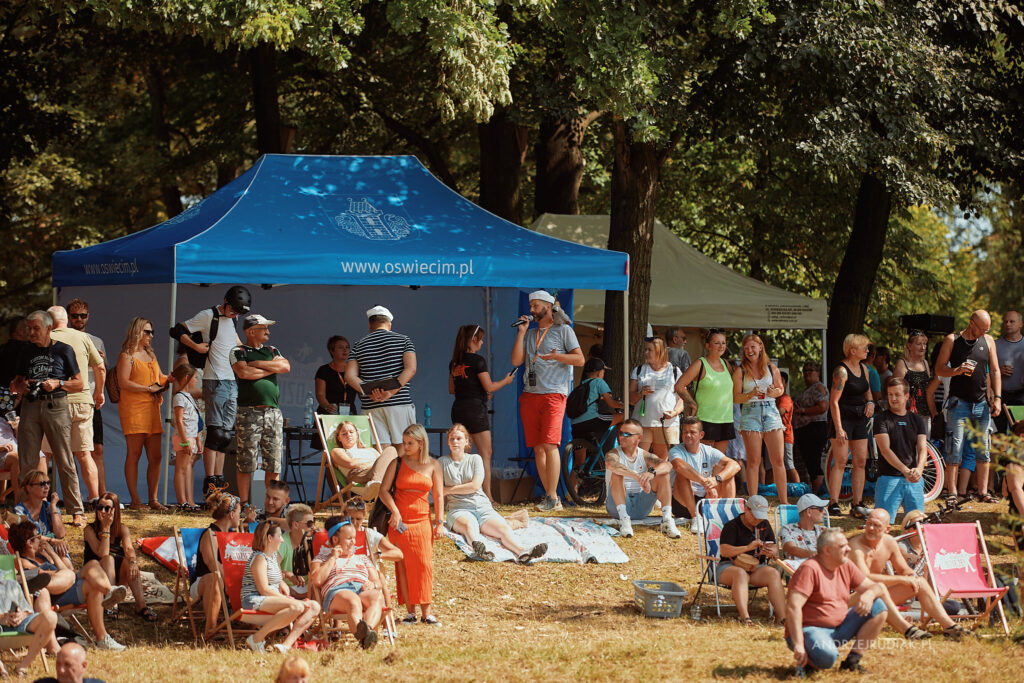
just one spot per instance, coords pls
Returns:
(35, 390)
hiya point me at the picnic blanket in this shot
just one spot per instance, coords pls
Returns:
(569, 540)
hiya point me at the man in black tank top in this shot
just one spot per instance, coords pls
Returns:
(967, 359)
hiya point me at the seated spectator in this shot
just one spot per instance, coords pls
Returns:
(294, 669)
(37, 620)
(701, 471)
(831, 602)
(348, 582)
(275, 503)
(800, 540)
(296, 548)
(901, 437)
(635, 479)
(469, 512)
(224, 508)
(109, 542)
(39, 505)
(90, 586)
(750, 534)
(594, 421)
(871, 550)
(375, 543)
(9, 456)
(360, 464)
(910, 547)
(264, 589)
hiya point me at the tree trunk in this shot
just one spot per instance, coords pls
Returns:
(856, 278)
(503, 144)
(263, 58)
(559, 153)
(226, 172)
(636, 174)
(157, 90)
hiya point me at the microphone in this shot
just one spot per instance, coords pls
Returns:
(520, 322)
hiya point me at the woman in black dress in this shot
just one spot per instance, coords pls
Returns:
(333, 396)
(471, 384)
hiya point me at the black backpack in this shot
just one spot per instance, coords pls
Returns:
(196, 359)
(578, 402)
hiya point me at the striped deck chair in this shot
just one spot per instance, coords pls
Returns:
(340, 486)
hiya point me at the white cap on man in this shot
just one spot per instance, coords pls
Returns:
(758, 506)
(809, 500)
(541, 295)
(254, 319)
(380, 310)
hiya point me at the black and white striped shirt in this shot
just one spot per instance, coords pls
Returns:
(379, 355)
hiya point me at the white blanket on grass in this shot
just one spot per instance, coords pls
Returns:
(569, 540)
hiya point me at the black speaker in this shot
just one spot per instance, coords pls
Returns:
(926, 322)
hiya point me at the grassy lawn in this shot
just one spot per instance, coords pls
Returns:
(513, 623)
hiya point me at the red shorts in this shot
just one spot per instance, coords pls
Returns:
(542, 416)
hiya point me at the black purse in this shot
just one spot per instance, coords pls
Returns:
(380, 515)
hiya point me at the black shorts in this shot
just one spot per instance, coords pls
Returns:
(472, 413)
(97, 427)
(719, 431)
(592, 429)
(856, 428)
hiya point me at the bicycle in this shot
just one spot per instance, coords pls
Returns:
(583, 467)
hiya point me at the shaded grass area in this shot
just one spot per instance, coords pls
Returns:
(575, 622)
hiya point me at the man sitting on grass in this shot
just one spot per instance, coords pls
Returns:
(635, 479)
(701, 470)
(831, 602)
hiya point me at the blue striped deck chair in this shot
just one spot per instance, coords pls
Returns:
(788, 514)
(713, 513)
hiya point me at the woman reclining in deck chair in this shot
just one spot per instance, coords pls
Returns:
(360, 464)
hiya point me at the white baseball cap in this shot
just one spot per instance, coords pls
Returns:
(254, 319)
(758, 506)
(809, 500)
(541, 295)
(380, 310)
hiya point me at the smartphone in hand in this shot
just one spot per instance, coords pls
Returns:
(513, 372)
(401, 527)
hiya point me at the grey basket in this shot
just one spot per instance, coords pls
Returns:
(661, 599)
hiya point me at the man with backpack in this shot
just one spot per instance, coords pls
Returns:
(208, 338)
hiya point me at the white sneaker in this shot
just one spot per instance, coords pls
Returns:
(668, 527)
(108, 643)
(115, 597)
(697, 525)
(254, 646)
(369, 492)
(626, 528)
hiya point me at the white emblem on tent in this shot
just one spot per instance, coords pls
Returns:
(959, 560)
(365, 220)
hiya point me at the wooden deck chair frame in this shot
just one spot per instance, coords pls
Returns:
(182, 586)
(993, 598)
(326, 425)
(246, 622)
(11, 640)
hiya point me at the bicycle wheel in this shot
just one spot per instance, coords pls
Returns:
(583, 472)
(846, 490)
(934, 476)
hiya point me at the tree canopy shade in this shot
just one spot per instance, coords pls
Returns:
(340, 220)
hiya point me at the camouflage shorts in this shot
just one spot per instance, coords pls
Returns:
(259, 430)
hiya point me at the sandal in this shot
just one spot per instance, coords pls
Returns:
(915, 633)
(147, 614)
(157, 505)
(988, 498)
(747, 621)
(956, 632)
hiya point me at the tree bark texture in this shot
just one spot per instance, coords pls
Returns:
(856, 278)
(636, 175)
(157, 90)
(559, 153)
(503, 144)
(266, 107)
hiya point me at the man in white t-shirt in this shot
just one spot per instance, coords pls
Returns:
(220, 388)
(701, 470)
(635, 479)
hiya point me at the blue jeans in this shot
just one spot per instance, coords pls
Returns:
(638, 505)
(822, 644)
(891, 492)
(957, 413)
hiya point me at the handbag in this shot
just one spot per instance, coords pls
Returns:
(746, 562)
(380, 515)
(112, 385)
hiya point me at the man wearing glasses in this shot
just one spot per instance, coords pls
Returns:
(635, 480)
(675, 338)
(78, 318)
(46, 373)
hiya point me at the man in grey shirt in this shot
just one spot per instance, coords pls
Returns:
(1010, 351)
(675, 338)
(549, 351)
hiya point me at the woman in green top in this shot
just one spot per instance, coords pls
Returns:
(713, 393)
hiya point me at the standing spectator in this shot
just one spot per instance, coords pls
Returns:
(810, 423)
(874, 381)
(1010, 352)
(185, 413)
(220, 390)
(550, 351)
(593, 422)
(784, 403)
(45, 373)
(881, 364)
(756, 385)
(471, 384)
(141, 382)
(81, 403)
(656, 405)
(935, 396)
(678, 356)
(384, 355)
(333, 395)
(78, 318)
(415, 475)
(968, 359)
(260, 424)
(851, 403)
(712, 396)
(901, 438)
(913, 367)
(10, 351)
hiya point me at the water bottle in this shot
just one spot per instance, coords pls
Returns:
(695, 612)
(643, 406)
(426, 416)
(310, 410)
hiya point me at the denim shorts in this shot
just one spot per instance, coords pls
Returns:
(958, 412)
(72, 596)
(221, 398)
(356, 588)
(253, 601)
(822, 644)
(21, 627)
(762, 416)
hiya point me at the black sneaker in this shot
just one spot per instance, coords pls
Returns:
(834, 510)
(847, 665)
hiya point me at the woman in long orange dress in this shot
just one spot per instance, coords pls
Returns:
(410, 527)
(141, 383)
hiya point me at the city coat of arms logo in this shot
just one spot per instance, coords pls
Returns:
(366, 220)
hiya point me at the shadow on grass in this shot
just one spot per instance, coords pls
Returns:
(780, 673)
(580, 613)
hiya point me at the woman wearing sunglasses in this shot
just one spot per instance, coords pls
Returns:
(141, 383)
(656, 405)
(109, 542)
(297, 546)
(39, 506)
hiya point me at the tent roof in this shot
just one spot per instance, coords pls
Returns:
(294, 219)
(689, 288)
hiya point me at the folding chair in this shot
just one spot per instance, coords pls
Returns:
(10, 570)
(954, 565)
(789, 514)
(233, 552)
(334, 477)
(184, 606)
(714, 514)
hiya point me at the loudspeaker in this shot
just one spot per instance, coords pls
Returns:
(926, 322)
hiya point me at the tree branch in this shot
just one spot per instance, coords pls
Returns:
(437, 162)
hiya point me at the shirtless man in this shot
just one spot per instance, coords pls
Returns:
(871, 550)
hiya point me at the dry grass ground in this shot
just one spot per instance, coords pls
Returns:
(548, 621)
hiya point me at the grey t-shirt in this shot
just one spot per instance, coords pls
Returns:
(463, 472)
(553, 377)
(98, 343)
(705, 460)
(679, 358)
(1012, 352)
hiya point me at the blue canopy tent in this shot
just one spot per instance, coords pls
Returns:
(315, 223)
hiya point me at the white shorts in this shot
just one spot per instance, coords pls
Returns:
(391, 421)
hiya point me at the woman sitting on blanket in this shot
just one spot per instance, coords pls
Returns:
(264, 589)
(468, 511)
(348, 582)
(360, 464)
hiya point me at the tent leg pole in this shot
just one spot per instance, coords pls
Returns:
(168, 408)
(625, 348)
(824, 350)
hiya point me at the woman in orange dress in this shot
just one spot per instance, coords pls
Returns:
(141, 383)
(410, 528)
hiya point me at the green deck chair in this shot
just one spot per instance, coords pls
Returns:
(339, 484)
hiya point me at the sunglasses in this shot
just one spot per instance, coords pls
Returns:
(355, 505)
(149, 332)
(40, 483)
(310, 523)
(628, 434)
(78, 316)
(105, 508)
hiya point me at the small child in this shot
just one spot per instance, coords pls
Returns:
(186, 435)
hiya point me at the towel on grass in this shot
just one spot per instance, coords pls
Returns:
(569, 540)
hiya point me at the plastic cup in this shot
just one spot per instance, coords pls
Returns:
(971, 364)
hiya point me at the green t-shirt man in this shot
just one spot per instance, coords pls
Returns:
(257, 392)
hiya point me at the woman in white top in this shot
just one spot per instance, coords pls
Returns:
(656, 405)
(360, 464)
(756, 385)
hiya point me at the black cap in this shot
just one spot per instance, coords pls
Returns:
(239, 299)
(593, 365)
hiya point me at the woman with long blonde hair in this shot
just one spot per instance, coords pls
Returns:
(756, 384)
(141, 383)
